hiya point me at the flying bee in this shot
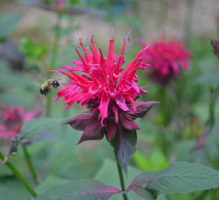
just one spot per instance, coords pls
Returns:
(48, 85)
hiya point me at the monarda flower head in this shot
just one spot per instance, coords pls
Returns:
(165, 58)
(13, 119)
(109, 92)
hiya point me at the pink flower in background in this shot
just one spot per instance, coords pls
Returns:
(109, 94)
(165, 58)
(13, 120)
(60, 4)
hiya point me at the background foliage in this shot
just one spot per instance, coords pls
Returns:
(34, 39)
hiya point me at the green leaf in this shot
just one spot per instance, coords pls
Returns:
(124, 147)
(209, 78)
(178, 178)
(8, 21)
(144, 193)
(82, 189)
(12, 189)
(48, 183)
(31, 50)
(35, 127)
(155, 160)
(161, 197)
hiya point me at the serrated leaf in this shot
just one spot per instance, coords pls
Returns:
(48, 183)
(124, 147)
(82, 189)
(35, 127)
(178, 178)
(12, 189)
(144, 193)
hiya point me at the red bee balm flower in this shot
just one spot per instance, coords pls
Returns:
(13, 120)
(109, 95)
(165, 58)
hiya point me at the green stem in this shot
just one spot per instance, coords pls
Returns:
(166, 117)
(122, 181)
(29, 163)
(49, 105)
(20, 177)
(53, 63)
(212, 107)
(164, 107)
(213, 194)
(211, 160)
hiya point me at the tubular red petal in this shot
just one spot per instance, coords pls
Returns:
(131, 101)
(120, 100)
(62, 92)
(92, 91)
(76, 62)
(85, 64)
(110, 59)
(94, 51)
(87, 56)
(67, 67)
(142, 90)
(115, 110)
(69, 75)
(77, 97)
(103, 66)
(71, 92)
(103, 107)
(81, 78)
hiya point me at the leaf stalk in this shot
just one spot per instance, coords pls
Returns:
(19, 176)
(122, 181)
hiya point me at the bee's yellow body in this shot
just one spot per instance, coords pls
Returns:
(48, 85)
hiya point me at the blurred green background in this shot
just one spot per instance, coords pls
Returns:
(36, 36)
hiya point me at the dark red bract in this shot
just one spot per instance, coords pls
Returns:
(114, 123)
